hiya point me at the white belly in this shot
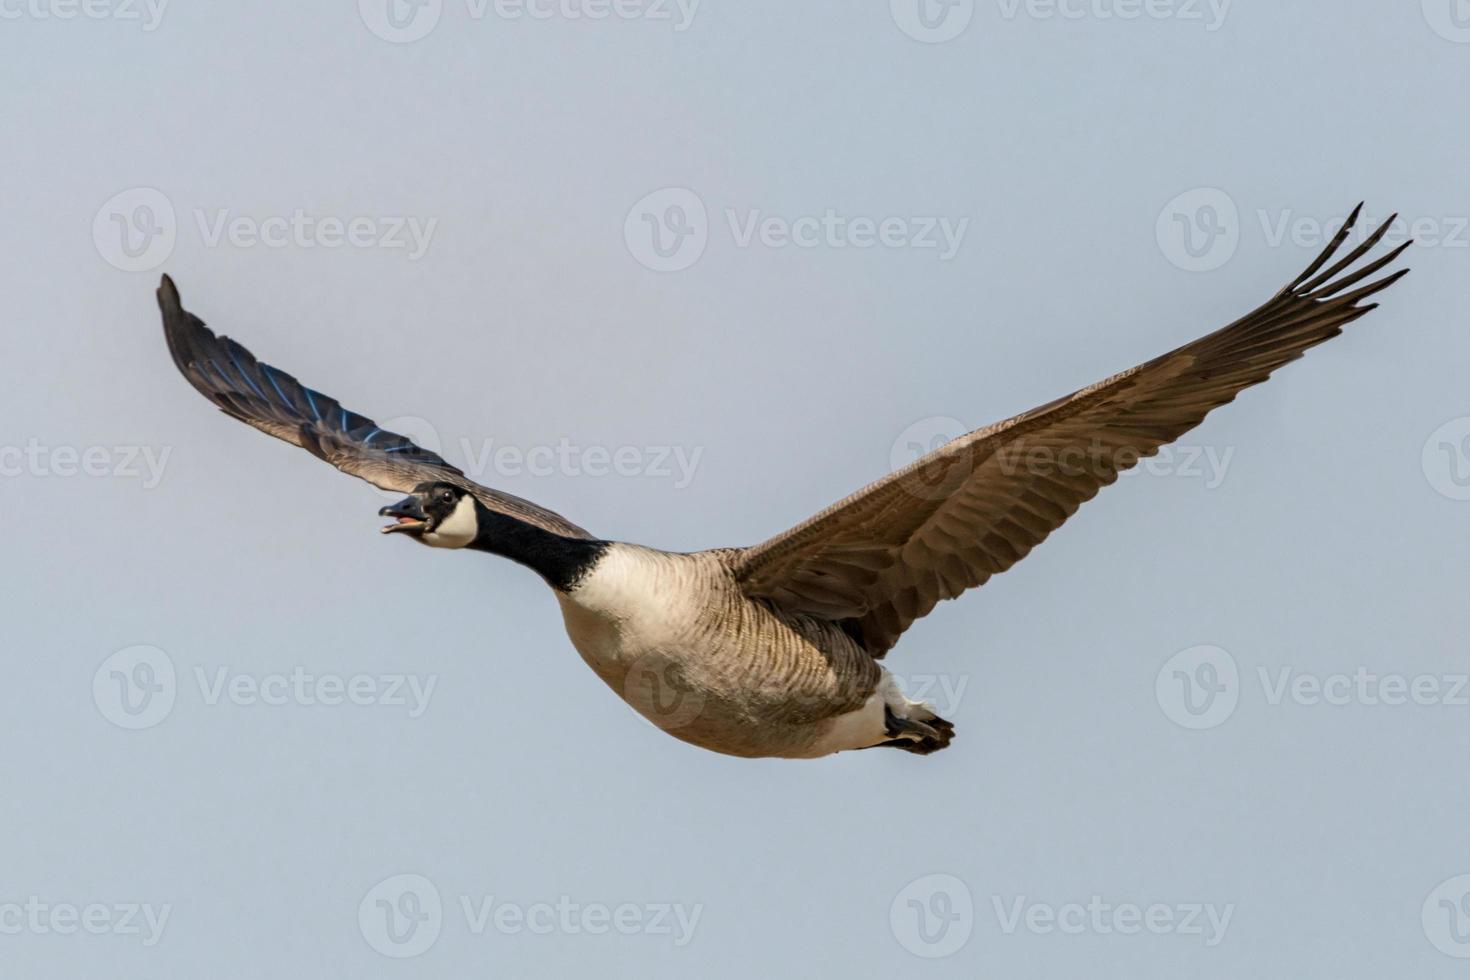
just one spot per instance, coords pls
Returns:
(642, 621)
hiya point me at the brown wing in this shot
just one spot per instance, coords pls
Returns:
(276, 403)
(884, 556)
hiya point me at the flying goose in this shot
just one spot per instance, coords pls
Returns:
(774, 650)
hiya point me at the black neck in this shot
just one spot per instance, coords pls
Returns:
(561, 561)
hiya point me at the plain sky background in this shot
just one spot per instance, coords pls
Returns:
(1332, 542)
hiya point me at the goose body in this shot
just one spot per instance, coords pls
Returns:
(676, 638)
(775, 649)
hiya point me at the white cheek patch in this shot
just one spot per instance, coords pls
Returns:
(458, 529)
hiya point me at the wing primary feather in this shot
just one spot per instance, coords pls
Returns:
(1353, 256)
(1330, 250)
(1332, 289)
(1000, 504)
(228, 375)
(270, 375)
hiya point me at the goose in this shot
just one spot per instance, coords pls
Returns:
(776, 650)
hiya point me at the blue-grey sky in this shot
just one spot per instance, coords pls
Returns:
(688, 273)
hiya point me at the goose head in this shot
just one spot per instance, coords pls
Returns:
(440, 515)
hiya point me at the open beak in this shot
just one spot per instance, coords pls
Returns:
(410, 514)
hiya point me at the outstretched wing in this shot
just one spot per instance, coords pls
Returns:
(276, 403)
(884, 556)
